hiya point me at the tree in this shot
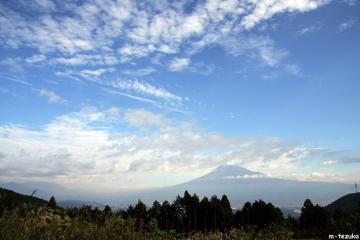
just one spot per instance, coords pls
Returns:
(52, 203)
(227, 214)
(204, 213)
(169, 217)
(258, 213)
(140, 214)
(107, 212)
(155, 210)
(215, 216)
(195, 202)
(313, 218)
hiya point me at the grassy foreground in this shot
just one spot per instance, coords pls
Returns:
(45, 223)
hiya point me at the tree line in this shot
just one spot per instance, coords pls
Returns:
(188, 215)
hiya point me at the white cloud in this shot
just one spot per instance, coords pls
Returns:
(139, 72)
(256, 47)
(83, 59)
(36, 58)
(135, 89)
(113, 111)
(329, 176)
(147, 90)
(264, 9)
(179, 64)
(97, 72)
(43, 5)
(14, 79)
(351, 2)
(292, 69)
(346, 25)
(14, 64)
(202, 68)
(52, 96)
(90, 148)
(309, 29)
(98, 31)
(329, 162)
(142, 118)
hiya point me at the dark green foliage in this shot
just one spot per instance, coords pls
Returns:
(9, 200)
(347, 204)
(227, 214)
(259, 213)
(189, 214)
(314, 221)
(107, 212)
(52, 203)
(155, 210)
(313, 216)
(140, 214)
(187, 217)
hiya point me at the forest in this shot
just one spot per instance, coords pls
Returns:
(187, 217)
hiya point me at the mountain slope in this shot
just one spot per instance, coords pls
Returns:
(242, 185)
(11, 199)
(45, 190)
(349, 203)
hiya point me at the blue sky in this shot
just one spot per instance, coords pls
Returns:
(102, 92)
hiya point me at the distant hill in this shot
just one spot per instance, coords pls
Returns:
(43, 189)
(11, 199)
(79, 204)
(348, 203)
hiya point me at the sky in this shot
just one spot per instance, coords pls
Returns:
(137, 94)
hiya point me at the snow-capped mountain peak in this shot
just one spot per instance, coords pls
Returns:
(228, 171)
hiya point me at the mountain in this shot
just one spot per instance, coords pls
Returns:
(238, 183)
(228, 171)
(349, 203)
(79, 204)
(43, 189)
(46, 190)
(241, 185)
(12, 199)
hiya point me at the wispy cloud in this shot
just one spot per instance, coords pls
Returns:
(96, 72)
(179, 64)
(329, 162)
(139, 72)
(146, 89)
(36, 58)
(141, 118)
(14, 79)
(351, 2)
(346, 25)
(13, 64)
(86, 59)
(262, 49)
(135, 89)
(310, 29)
(51, 96)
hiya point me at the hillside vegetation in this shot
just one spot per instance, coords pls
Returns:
(11, 200)
(187, 217)
(348, 203)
